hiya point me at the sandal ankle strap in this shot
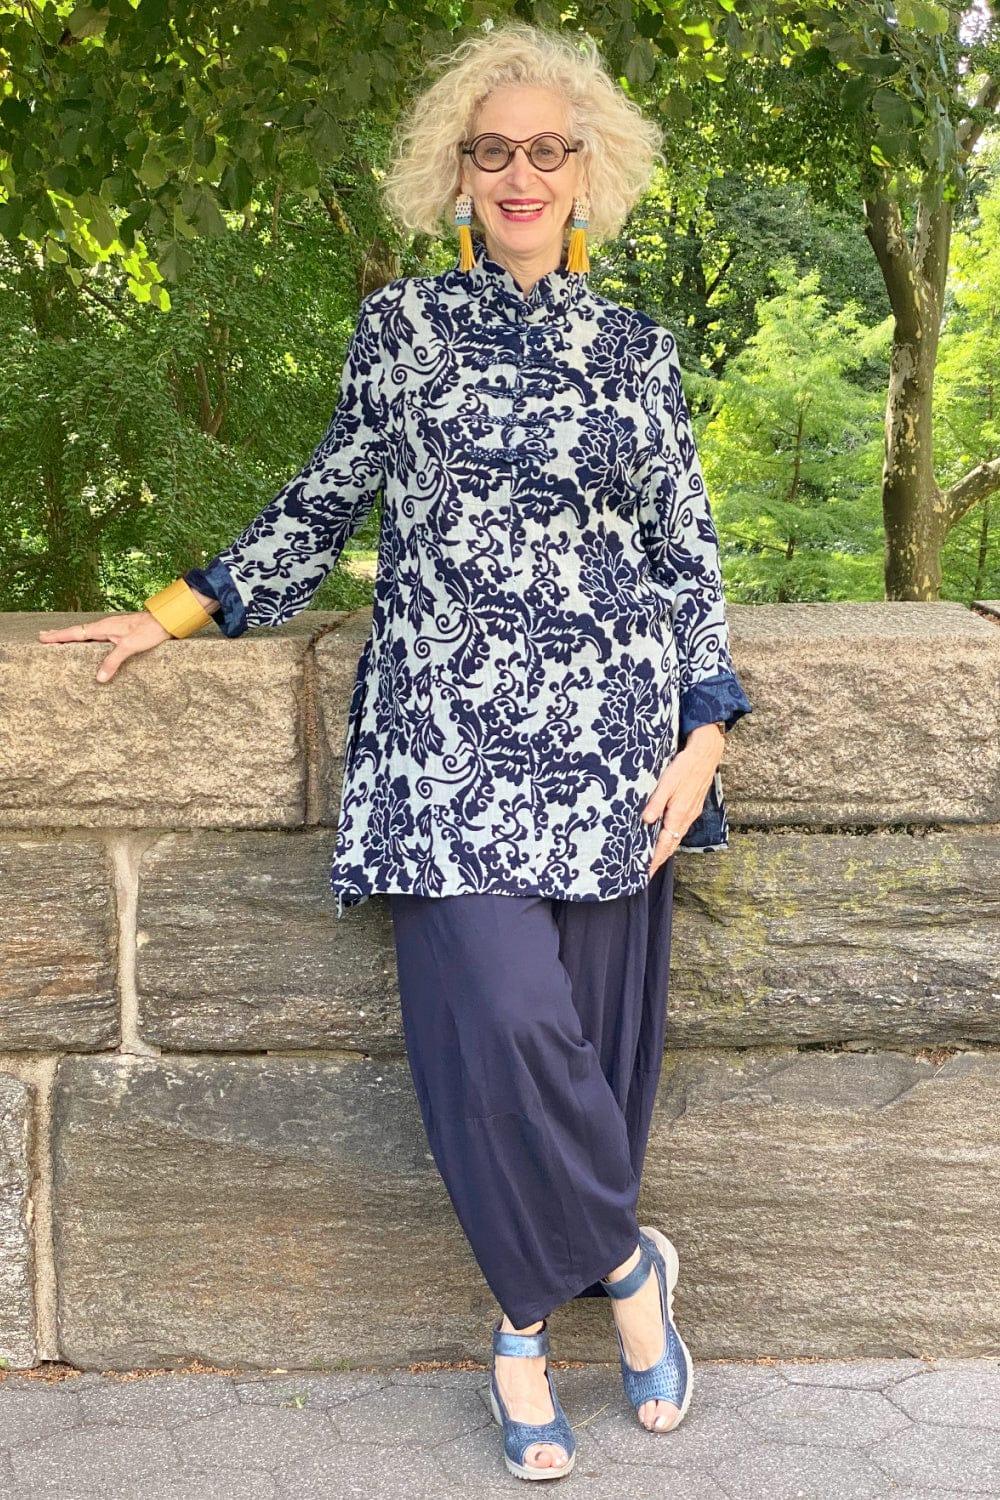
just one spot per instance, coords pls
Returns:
(521, 1343)
(633, 1280)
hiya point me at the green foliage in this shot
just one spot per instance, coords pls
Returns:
(134, 128)
(134, 444)
(871, 99)
(189, 214)
(792, 451)
(967, 393)
(700, 258)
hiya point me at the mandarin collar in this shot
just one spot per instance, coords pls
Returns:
(553, 294)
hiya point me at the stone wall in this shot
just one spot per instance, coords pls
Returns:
(209, 1143)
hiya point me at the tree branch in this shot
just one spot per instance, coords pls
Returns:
(971, 129)
(334, 208)
(763, 546)
(976, 485)
(714, 285)
(86, 287)
(885, 233)
(211, 413)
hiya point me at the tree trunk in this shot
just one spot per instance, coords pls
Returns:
(915, 523)
(74, 562)
(918, 514)
(914, 511)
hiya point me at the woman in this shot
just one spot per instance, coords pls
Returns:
(540, 711)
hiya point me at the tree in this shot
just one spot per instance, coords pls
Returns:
(702, 262)
(884, 109)
(918, 512)
(129, 130)
(791, 450)
(132, 441)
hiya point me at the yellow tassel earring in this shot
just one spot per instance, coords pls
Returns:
(463, 218)
(577, 258)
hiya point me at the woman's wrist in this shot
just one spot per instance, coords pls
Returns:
(714, 733)
(708, 737)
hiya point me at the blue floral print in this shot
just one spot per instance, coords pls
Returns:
(548, 622)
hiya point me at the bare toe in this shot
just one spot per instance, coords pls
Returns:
(546, 1456)
(666, 1415)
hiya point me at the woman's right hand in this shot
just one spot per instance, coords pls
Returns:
(131, 633)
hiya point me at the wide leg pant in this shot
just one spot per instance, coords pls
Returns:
(534, 1031)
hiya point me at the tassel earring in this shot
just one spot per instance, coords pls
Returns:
(577, 258)
(463, 218)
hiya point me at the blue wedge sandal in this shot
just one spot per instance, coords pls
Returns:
(519, 1436)
(671, 1378)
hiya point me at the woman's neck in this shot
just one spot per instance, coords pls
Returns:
(526, 270)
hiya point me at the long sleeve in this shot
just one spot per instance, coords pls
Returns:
(276, 564)
(679, 537)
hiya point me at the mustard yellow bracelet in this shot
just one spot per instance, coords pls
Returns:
(177, 609)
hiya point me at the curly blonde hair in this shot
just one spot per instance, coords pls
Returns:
(621, 146)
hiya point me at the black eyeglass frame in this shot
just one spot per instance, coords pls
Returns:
(512, 146)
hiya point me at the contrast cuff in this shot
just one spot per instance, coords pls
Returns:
(713, 699)
(710, 829)
(216, 581)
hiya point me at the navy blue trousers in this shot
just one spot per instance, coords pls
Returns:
(534, 1030)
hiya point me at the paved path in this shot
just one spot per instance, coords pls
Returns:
(902, 1428)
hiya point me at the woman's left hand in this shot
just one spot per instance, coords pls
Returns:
(680, 793)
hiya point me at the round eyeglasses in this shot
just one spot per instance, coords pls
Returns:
(546, 151)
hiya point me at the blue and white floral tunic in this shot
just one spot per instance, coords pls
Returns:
(549, 619)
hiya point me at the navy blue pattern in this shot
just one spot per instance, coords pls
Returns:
(549, 620)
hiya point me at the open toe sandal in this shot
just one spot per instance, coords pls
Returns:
(518, 1437)
(671, 1378)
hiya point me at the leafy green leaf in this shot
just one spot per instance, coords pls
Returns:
(923, 15)
(640, 64)
(153, 170)
(892, 109)
(205, 214)
(174, 260)
(236, 185)
(94, 212)
(87, 20)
